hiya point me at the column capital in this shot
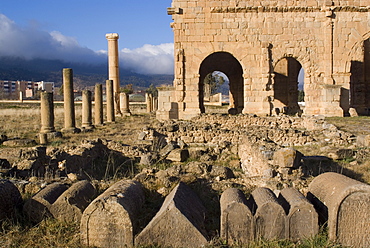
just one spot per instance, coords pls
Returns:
(112, 36)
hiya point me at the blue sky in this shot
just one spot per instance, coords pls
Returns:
(75, 30)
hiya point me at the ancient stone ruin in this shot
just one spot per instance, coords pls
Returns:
(345, 204)
(110, 220)
(261, 48)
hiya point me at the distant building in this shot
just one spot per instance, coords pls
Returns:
(12, 89)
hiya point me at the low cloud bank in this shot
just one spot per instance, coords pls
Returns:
(31, 43)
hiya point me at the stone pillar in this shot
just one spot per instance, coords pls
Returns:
(86, 110)
(124, 104)
(69, 105)
(155, 103)
(110, 101)
(113, 67)
(98, 107)
(47, 113)
(149, 102)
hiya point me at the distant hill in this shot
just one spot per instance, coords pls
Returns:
(84, 75)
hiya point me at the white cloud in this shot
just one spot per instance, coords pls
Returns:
(149, 59)
(31, 42)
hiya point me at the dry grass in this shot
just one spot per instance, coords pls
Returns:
(48, 233)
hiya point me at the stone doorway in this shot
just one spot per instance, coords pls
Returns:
(360, 82)
(286, 89)
(227, 64)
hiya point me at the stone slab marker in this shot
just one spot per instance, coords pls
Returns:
(179, 222)
(37, 208)
(110, 220)
(270, 215)
(237, 221)
(70, 205)
(86, 110)
(98, 106)
(113, 67)
(302, 220)
(110, 101)
(348, 207)
(47, 113)
(10, 199)
(69, 105)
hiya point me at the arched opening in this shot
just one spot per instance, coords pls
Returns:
(288, 86)
(215, 88)
(228, 65)
(360, 82)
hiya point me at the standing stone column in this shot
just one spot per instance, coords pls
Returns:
(113, 67)
(110, 101)
(47, 113)
(69, 105)
(98, 107)
(124, 104)
(149, 102)
(86, 110)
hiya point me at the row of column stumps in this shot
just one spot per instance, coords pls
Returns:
(151, 102)
(47, 108)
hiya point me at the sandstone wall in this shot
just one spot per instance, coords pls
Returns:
(325, 37)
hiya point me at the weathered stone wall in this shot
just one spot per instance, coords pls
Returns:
(325, 37)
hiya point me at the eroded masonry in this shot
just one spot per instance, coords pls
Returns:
(261, 50)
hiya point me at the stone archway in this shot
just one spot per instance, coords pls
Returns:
(230, 66)
(360, 81)
(286, 73)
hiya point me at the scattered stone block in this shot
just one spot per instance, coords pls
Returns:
(352, 112)
(38, 207)
(110, 220)
(302, 220)
(20, 142)
(287, 158)
(346, 203)
(179, 222)
(237, 221)
(70, 205)
(270, 216)
(178, 155)
(363, 140)
(10, 199)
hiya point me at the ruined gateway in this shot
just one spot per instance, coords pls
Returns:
(261, 47)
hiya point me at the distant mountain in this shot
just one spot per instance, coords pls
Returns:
(84, 75)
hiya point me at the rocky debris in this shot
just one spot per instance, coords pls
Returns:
(344, 203)
(111, 219)
(179, 222)
(10, 199)
(70, 205)
(38, 207)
